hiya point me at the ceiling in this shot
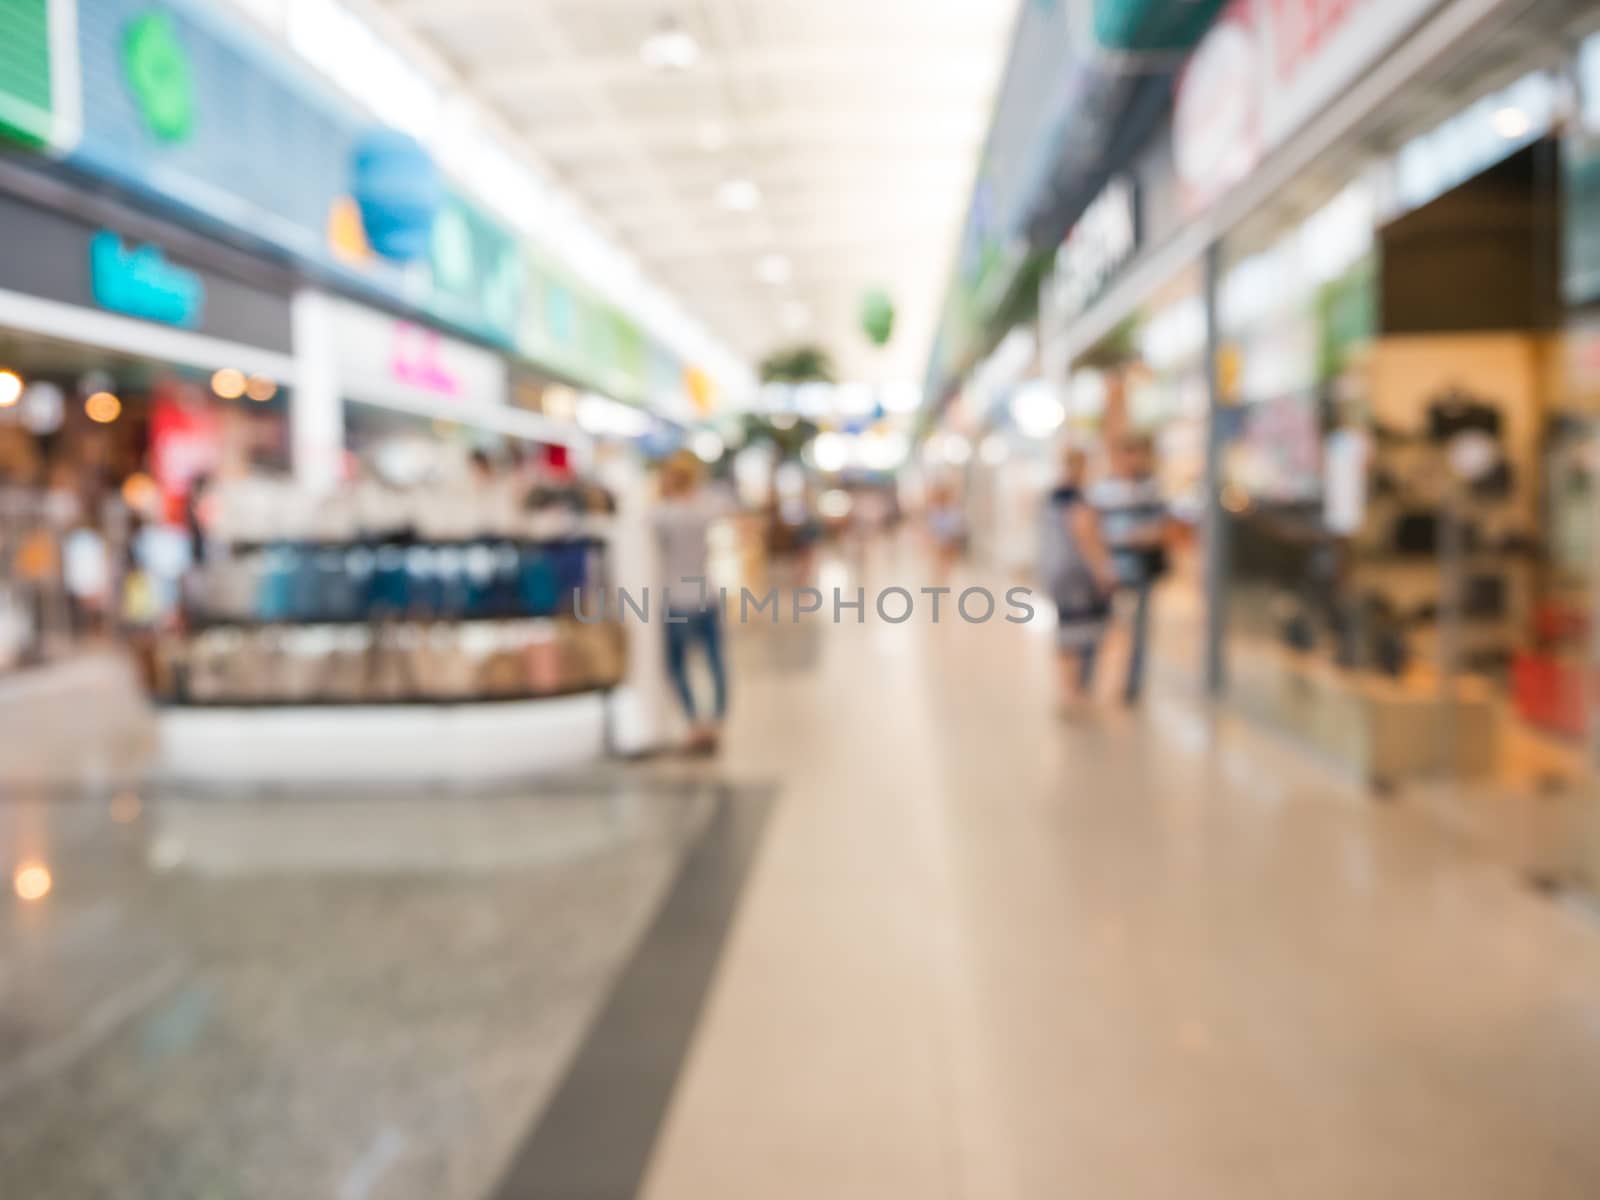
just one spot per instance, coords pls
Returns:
(860, 122)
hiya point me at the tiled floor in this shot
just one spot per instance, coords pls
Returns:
(311, 997)
(979, 954)
(986, 954)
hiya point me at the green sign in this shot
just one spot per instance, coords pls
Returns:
(571, 333)
(26, 107)
(157, 69)
(1151, 26)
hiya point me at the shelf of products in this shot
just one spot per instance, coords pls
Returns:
(394, 601)
(387, 663)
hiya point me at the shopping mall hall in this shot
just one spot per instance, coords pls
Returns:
(799, 599)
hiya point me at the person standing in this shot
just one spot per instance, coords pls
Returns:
(683, 521)
(1133, 514)
(1076, 567)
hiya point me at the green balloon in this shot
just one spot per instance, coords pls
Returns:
(877, 316)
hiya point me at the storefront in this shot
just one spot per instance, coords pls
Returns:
(134, 372)
(1364, 317)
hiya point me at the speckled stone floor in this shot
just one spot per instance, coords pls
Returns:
(311, 997)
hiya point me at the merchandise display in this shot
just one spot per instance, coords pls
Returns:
(465, 591)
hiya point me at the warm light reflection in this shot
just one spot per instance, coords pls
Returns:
(140, 492)
(32, 881)
(10, 388)
(102, 408)
(260, 389)
(229, 383)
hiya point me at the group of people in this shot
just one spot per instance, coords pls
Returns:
(1098, 539)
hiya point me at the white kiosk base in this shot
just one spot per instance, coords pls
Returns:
(404, 743)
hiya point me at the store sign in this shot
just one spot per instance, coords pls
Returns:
(27, 101)
(1265, 69)
(416, 359)
(140, 282)
(1149, 26)
(386, 361)
(1216, 120)
(1103, 240)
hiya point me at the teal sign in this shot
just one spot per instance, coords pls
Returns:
(140, 282)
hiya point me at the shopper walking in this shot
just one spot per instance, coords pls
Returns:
(1133, 514)
(1075, 565)
(948, 529)
(683, 521)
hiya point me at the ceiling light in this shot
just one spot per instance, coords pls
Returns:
(1036, 409)
(738, 195)
(902, 397)
(854, 399)
(1511, 123)
(670, 48)
(774, 269)
(604, 417)
(830, 452)
(10, 388)
(707, 445)
(796, 316)
(712, 136)
(882, 451)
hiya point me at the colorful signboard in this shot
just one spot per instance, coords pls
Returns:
(388, 361)
(32, 99)
(187, 109)
(139, 281)
(1266, 68)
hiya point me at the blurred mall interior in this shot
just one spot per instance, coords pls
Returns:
(1132, 731)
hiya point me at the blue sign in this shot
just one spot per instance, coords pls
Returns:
(141, 282)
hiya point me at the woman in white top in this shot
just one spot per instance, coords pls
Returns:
(683, 521)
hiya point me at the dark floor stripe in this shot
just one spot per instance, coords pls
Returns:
(594, 1139)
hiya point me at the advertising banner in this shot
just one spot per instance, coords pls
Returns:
(28, 83)
(1264, 70)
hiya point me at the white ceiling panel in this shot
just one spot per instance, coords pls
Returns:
(859, 122)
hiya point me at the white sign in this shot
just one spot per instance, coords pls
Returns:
(1266, 68)
(400, 364)
(1104, 238)
(1216, 118)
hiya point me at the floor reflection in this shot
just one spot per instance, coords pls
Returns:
(387, 984)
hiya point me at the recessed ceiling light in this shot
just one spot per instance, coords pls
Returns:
(1511, 122)
(670, 48)
(796, 315)
(774, 269)
(738, 195)
(712, 136)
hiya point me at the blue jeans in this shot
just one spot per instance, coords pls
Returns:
(1140, 636)
(684, 629)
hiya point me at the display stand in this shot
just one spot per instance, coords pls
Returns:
(448, 663)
